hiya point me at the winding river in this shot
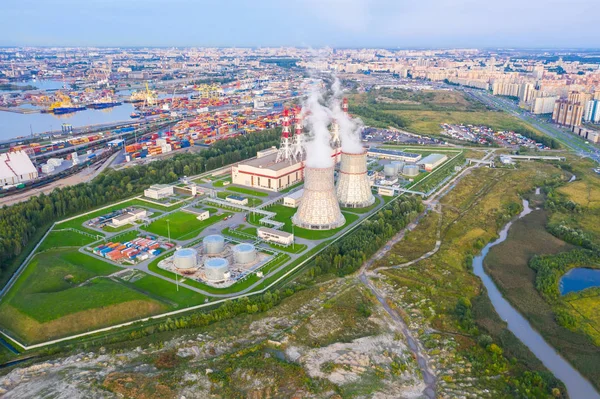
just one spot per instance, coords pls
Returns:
(577, 386)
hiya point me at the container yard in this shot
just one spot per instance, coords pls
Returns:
(131, 252)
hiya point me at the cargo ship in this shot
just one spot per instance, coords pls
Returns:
(145, 113)
(66, 110)
(103, 105)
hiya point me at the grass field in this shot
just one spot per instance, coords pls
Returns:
(182, 225)
(165, 290)
(62, 291)
(507, 263)
(247, 191)
(65, 238)
(220, 182)
(284, 215)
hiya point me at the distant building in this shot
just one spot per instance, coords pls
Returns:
(264, 173)
(588, 134)
(395, 155)
(159, 191)
(543, 105)
(237, 199)
(568, 111)
(15, 168)
(592, 111)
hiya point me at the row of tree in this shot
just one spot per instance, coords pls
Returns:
(19, 222)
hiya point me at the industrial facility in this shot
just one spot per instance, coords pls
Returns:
(16, 168)
(353, 186)
(319, 209)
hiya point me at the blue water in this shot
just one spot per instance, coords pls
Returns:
(579, 279)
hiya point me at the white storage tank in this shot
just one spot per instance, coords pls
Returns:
(390, 170)
(216, 269)
(399, 165)
(244, 253)
(410, 170)
(186, 259)
(213, 244)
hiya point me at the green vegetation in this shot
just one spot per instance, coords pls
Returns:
(182, 225)
(247, 191)
(167, 291)
(424, 112)
(284, 215)
(21, 223)
(220, 182)
(64, 238)
(442, 294)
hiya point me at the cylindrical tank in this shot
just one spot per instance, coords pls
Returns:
(410, 170)
(213, 244)
(185, 259)
(399, 165)
(244, 253)
(215, 269)
(319, 209)
(390, 170)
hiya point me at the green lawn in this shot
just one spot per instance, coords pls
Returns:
(183, 225)
(296, 249)
(247, 191)
(66, 238)
(111, 229)
(156, 286)
(252, 201)
(284, 215)
(290, 188)
(221, 181)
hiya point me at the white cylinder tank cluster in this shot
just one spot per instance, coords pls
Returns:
(216, 269)
(213, 244)
(319, 209)
(244, 254)
(353, 186)
(410, 170)
(185, 259)
(390, 170)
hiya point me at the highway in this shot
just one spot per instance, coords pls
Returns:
(568, 139)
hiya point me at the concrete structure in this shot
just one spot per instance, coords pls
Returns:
(266, 174)
(203, 215)
(268, 151)
(244, 254)
(569, 111)
(129, 217)
(353, 188)
(276, 236)
(293, 200)
(410, 170)
(319, 209)
(590, 135)
(216, 269)
(432, 161)
(54, 162)
(158, 191)
(47, 168)
(213, 244)
(592, 111)
(237, 199)
(394, 155)
(185, 259)
(543, 105)
(388, 192)
(15, 168)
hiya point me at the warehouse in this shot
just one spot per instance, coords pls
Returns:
(129, 217)
(15, 168)
(276, 236)
(293, 200)
(432, 161)
(266, 174)
(159, 191)
(394, 155)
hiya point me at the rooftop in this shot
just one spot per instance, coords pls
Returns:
(394, 153)
(268, 162)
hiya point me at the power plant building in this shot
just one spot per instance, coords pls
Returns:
(15, 168)
(394, 155)
(354, 187)
(293, 200)
(319, 209)
(264, 173)
(276, 236)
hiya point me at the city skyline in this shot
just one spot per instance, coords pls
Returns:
(306, 23)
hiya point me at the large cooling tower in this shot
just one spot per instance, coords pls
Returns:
(319, 209)
(353, 187)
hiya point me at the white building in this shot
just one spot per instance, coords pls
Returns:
(159, 191)
(203, 215)
(276, 236)
(15, 168)
(237, 199)
(293, 200)
(129, 217)
(432, 161)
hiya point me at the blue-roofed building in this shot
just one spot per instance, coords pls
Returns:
(393, 154)
(237, 199)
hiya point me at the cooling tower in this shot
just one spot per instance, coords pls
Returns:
(353, 187)
(319, 209)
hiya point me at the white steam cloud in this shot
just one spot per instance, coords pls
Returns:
(349, 128)
(318, 117)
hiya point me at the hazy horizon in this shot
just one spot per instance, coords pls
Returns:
(512, 24)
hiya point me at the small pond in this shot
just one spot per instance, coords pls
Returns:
(579, 279)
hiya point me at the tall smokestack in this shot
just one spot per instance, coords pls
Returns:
(285, 148)
(345, 105)
(319, 208)
(353, 187)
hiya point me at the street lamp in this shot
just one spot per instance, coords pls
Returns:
(169, 230)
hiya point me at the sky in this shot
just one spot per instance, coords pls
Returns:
(313, 23)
